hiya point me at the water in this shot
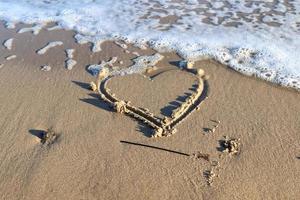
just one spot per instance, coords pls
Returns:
(256, 38)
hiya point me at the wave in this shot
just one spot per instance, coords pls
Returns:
(256, 38)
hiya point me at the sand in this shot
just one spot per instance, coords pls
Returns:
(87, 160)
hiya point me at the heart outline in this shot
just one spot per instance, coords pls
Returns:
(163, 127)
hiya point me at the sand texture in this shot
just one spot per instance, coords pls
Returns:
(60, 140)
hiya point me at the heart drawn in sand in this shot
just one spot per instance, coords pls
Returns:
(162, 126)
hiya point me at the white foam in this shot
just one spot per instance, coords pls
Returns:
(11, 57)
(53, 28)
(136, 53)
(8, 43)
(70, 63)
(122, 45)
(95, 68)
(10, 25)
(140, 65)
(50, 45)
(35, 29)
(70, 53)
(259, 38)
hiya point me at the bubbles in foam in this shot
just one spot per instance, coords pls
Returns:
(257, 38)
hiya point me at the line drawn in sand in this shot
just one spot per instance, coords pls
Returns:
(162, 127)
(154, 147)
(196, 155)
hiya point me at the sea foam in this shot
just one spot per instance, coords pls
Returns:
(256, 38)
(8, 43)
(50, 45)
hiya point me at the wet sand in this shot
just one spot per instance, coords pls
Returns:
(88, 161)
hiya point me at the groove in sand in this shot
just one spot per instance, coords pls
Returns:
(162, 127)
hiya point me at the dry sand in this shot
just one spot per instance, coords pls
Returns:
(87, 159)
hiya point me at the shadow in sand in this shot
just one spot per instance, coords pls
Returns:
(175, 103)
(183, 98)
(82, 84)
(174, 63)
(146, 130)
(167, 110)
(221, 147)
(95, 101)
(47, 137)
(154, 147)
(207, 130)
(37, 133)
(194, 88)
(159, 73)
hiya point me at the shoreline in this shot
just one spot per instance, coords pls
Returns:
(66, 33)
(88, 160)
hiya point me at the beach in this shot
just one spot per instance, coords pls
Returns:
(94, 153)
